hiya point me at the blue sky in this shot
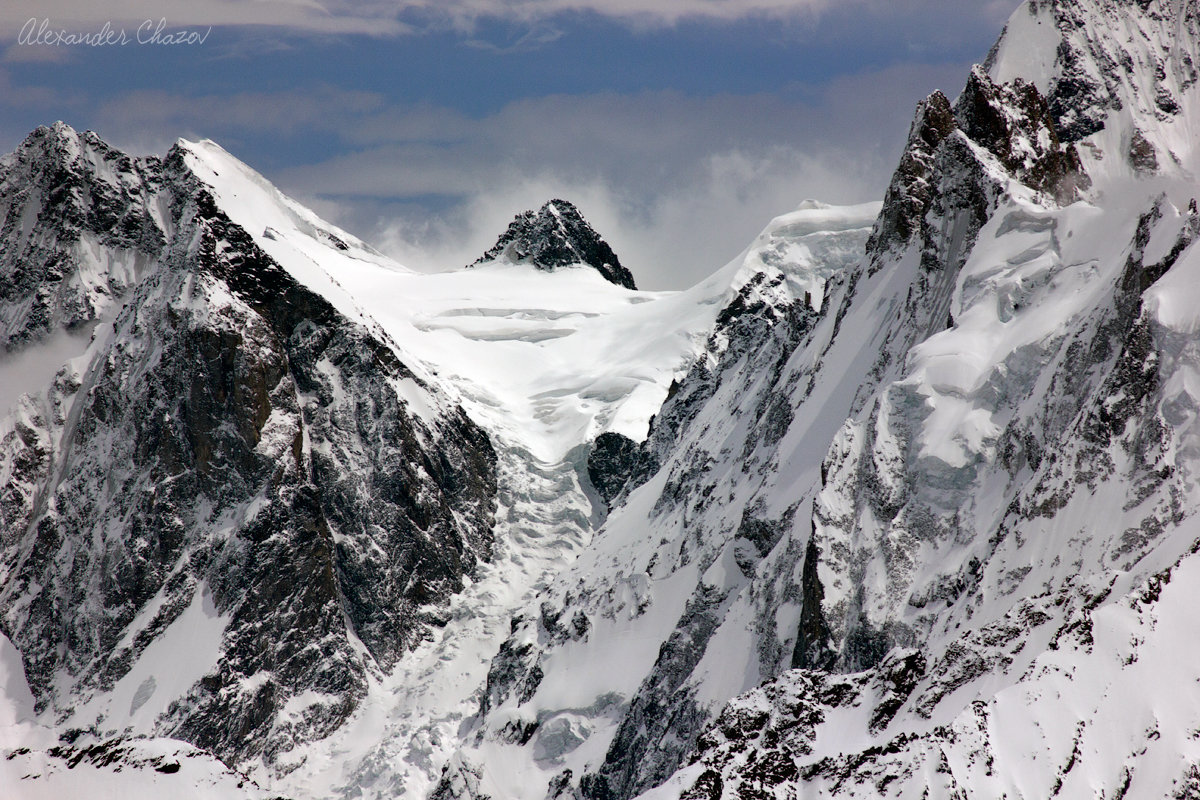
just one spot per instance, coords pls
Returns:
(679, 128)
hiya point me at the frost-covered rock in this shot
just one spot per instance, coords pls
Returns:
(1118, 77)
(1014, 474)
(646, 608)
(900, 503)
(78, 227)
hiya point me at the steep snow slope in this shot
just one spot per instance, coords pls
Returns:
(569, 674)
(706, 577)
(508, 338)
(1119, 77)
(421, 715)
(995, 526)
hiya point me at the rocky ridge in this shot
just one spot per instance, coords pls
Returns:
(913, 532)
(77, 227)
(993, 526)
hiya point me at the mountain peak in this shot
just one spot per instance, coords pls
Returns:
(59, 138)
(556, 235)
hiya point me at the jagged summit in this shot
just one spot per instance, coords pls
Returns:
(557, 235)
(66, 196)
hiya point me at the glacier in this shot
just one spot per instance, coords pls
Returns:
(901, 502)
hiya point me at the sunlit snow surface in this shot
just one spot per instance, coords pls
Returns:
(550, 358)
(546, 362)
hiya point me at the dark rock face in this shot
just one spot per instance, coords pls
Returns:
(554, 236)
(648, 747)
(1011, 122)
(611, 463)
(779, 722)
(1096, 73)
(1142, 156)
(1089, 417)
(812, 650)
(236, 440)
(1014, 123)
(909, 194)
(950, 180)
(755, 334)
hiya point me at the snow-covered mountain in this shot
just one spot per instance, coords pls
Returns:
(901, 502)
(238, 505)
(238, 500)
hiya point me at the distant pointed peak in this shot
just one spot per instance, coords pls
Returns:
(556, 235)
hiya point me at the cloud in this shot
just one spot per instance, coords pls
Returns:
(395, 17)
(13, 95)
(36, 54)
(677, 184)
(639, 13)
(302, 15)
(669, 239)
(537, 35)
(155, 118)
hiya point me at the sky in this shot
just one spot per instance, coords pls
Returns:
(678, 127)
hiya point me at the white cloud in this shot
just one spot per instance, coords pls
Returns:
(677, 184)
(162, 116)
(668, 240)
(302, 15)
(394, 17)
(648, 13)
